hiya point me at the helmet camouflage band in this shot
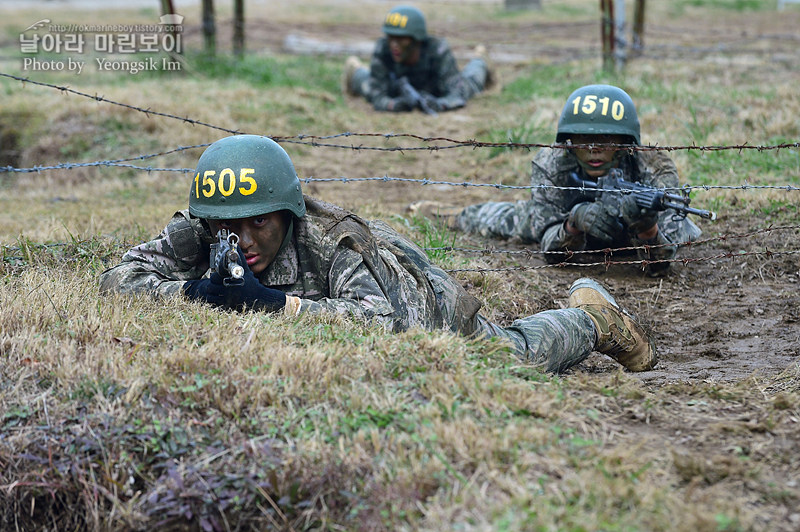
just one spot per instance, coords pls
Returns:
(243, 176)
(598, 110)
(405, 21)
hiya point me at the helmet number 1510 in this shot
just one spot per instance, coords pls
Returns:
(591, 102)
(226, 183)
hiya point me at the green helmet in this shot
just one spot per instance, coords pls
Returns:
(598, 110)
(405, 21)
(243, 176)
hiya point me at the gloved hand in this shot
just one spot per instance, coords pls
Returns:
(403, 103)
(206, 290)
(593, 219)
(249, 294)
(637, 219)
(437, 104)
(444, 103)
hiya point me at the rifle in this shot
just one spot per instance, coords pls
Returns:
(224, 258)
(408, 91)
(647, 197)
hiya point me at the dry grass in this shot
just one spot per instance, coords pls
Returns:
(129, 413)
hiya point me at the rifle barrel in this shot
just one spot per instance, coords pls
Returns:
(682, 207)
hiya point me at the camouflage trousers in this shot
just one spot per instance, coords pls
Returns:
(498, 219)
(473, 80)
(555, 340)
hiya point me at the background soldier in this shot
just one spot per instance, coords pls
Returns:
(597, 115)
(303, 255)
(407, 52)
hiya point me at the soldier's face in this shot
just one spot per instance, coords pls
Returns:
(402, 48)
(260, 237)
(599, 160)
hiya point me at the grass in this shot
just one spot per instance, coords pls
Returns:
(127, 413)
(309, 72)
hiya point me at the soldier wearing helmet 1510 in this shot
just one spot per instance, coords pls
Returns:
(301, 255)
(407, 52)
(561, 219)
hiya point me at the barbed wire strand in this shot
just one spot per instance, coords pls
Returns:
(611, 251)
(455, 143)
(423, 181)
(641, 262)
(6, 252)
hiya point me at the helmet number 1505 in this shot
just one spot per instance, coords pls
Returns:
(226, 183)
(591, 102)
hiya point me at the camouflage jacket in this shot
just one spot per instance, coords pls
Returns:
(334, 261)
(549, 207)
(436, 72)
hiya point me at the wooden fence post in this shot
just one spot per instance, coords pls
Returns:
(209, 28)
(238, 27)
(638, 28)
(607, 32)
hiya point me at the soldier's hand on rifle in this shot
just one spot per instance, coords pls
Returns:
(252, 294)
(593, 219)
(402, 103)
(206, 290)
(432, 101)
(249, 294)
(637, 219)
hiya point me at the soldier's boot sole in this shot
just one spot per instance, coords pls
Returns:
(351, 64)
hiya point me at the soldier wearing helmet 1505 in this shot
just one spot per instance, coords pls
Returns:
(408, 53)
(302, 255)
(559, 219)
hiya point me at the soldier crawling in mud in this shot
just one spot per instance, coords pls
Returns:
(411, 70)
(301, 255)
(565, 220)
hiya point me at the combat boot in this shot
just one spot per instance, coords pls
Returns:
(491, 73)
(352, 64)
(618, 334)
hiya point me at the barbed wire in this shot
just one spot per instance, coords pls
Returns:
(643, 263)
(70, 166)
(424, 181)
(421, 181)
(148, 112)
(313, 140)
(611, 251)
(6, 252)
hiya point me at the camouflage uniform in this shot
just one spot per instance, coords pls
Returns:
(541, 219)
(336, 262)
(436, 73)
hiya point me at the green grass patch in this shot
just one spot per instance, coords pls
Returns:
(306, 71)
(679, 6)
(432, 234)
(751, 166)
